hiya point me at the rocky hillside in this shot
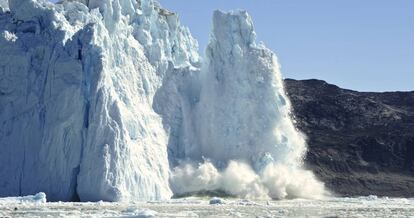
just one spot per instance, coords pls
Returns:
(360, 143)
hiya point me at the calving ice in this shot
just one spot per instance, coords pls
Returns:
(109, 100)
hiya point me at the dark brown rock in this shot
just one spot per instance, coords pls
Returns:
(360, 143)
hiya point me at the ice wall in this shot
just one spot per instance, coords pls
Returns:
(41, 103)
(138, 44)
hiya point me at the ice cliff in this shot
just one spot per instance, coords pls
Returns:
(109, 100)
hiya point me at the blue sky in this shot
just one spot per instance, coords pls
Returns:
(366, 45)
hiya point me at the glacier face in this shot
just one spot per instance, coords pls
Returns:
(109, 100)
(41, 103)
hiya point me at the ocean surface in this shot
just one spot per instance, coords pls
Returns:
(371, 206)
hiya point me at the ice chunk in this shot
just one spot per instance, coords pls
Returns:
(37, 198)
(4, 5)
(9, 36)
(139, 213)
(216, 200)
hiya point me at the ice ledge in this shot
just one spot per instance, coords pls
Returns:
(37, 198)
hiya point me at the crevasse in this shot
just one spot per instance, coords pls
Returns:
(108, 100)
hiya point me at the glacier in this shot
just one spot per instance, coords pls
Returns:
(110, 100)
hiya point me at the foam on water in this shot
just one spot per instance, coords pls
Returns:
(201, 207)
